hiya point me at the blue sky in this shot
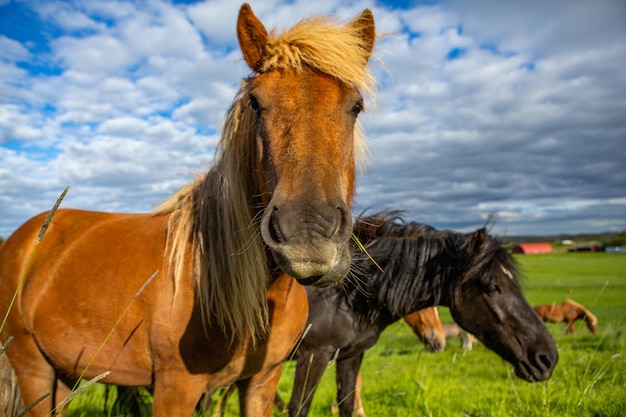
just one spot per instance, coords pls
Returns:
(511, 109)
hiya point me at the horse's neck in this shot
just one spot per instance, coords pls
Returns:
(363, 303)
(401, 290)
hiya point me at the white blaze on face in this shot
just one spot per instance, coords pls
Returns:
(506, 272)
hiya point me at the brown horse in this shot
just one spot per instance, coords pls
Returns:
(193, 296)
(568, 311)
(428, 328)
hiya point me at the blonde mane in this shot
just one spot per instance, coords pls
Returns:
(212, 219)
(589, 316)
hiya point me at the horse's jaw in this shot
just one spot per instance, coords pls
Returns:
(325, 266)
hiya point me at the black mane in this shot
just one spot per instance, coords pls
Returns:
(418, 264)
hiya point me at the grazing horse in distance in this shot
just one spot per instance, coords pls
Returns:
(195, 295)
(454, 330)
(568, 311)
(411, 266)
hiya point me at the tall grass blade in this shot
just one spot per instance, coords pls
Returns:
(46, 223)
(40, 236)
(79, 390)
(362, 247)
(6, 345)
(34, 403)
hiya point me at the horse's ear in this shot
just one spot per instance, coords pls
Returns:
(252, 37)
(476, 240)
(364, 23)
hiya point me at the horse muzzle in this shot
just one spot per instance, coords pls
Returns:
(537, 366)
(312, 243)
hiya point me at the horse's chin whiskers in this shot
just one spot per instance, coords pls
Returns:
(251, 241)
(359, 280)
(257, 215)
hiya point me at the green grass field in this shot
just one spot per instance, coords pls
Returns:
(402, 379)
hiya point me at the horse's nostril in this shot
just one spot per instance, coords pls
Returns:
(343, 228)
(543, 359)
(274, 229)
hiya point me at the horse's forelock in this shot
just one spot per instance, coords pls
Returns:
(320, 43)
(487, 258)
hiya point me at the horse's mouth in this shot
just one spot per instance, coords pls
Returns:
(524, 371)
(320, 273)
(310, 280)
(332, 277)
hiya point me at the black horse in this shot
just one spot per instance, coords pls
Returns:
(417, 266)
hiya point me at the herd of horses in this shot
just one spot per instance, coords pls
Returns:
(256, 258)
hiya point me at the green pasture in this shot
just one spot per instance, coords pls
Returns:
(402, 379)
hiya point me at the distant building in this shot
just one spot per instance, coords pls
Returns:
(530, 248)
(615, 249)
(587, 248)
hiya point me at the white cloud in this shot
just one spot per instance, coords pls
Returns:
(66, 17)
(15, 125)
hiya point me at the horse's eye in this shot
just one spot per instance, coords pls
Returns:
(254, 105)
(494, 288)
(357, 108)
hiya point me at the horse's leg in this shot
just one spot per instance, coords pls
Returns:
(61, 392)
(35, 378)
(256, 394)
(309, 370)
(569, 329)
(176, 394)
(359, 411)
(347, 371)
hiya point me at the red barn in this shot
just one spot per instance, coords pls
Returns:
(528, 248)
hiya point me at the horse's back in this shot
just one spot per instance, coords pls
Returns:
(82, 246)
(76, 284)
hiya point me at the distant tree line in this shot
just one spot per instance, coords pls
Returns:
(615, 240)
